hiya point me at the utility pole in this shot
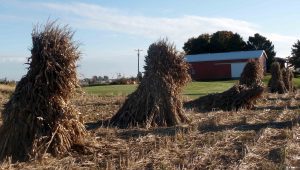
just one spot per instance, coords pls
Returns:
(139, 75)
(138, 54)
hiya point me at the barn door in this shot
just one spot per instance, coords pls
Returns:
(237, 69)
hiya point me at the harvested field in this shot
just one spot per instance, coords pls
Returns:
(266, 137)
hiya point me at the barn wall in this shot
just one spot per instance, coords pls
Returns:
(210, 71)
(213, 70)
(263, 61)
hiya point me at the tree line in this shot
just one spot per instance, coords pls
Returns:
(226, 41)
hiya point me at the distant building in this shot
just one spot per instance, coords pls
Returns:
(227, 65)
(84, 82)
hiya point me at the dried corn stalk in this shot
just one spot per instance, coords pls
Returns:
(252, 74)
(39, 118)
(235, 98)
(156, 101)
(242, 96)
(288, 76)
(276, 83)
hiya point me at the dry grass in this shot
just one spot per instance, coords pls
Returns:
(213, 140)
(6, 89)
(5, 92)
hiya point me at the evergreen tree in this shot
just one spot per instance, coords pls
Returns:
(294, 60)
(259, 42)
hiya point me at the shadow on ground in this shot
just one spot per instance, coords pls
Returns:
(99, 124)
(202, 128)
(246, 127)
(276, 107)
(162, 131)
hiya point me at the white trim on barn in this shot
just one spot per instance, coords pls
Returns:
(237, 69)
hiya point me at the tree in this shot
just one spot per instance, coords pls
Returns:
(105, 78)
(197, 45)
(258, 42)
(236, 43)
(225, 41)
(100, 78)
(94, 79)
(220, 41)
(294, 60)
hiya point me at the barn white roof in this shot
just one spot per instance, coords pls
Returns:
(236, 55)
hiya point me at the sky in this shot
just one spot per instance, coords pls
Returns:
(109, 31)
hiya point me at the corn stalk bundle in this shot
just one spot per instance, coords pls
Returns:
(288, 75)
(241, 96)
(235, 98)
(252, 74)
(38, 118)
(276, 83)
(156, 101)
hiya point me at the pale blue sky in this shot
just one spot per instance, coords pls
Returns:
(110, 30)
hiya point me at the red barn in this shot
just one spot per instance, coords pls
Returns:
(228, 65)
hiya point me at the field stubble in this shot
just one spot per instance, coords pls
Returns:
(267, 137)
